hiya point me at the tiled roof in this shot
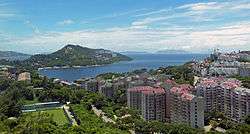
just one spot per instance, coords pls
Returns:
(187, 96)
(147, 90)
(229, 85)
(168, 81)
(224, 82)
(184, 91)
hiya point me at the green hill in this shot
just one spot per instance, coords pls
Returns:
(11, 56)
(75, 55)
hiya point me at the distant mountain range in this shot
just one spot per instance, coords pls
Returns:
(75, 55)
(168, 51)
(11, 56)
(173, 52)
(134, 52)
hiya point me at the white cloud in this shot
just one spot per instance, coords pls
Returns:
(114, 15)
(172, 34)
(201, 6)
(235, 36)
(149, 20)
(196, 13)
(5, 11)
(66, 22)
(241, 6)
(152, 12)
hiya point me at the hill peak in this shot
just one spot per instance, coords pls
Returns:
(76, 55)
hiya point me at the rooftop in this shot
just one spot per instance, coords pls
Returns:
(147, 90)
(168, 81)
(224, 82)
(184, 91)
(242, 89)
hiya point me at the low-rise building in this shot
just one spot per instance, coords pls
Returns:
(92, 85)
(107, 90)
(24, 77)
(136, 83)
(223, 71)
(89, 84)
(244, 70)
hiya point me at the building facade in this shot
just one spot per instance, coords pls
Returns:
(149, 101)
(185, 107)
(226, 96)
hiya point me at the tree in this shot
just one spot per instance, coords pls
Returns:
(247, 120)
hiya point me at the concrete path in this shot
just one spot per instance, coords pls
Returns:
(70, 116)
(101, 114)
(106, 119)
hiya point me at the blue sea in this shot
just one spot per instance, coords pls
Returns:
(140, 61)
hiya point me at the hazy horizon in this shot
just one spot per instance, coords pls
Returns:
(44, 26)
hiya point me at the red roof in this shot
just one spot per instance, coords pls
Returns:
(184, 91)
(147, 90)
(225, 83)
(168, 81)
(209, 82)
(187, 96)
(229, 85)
(181, 89)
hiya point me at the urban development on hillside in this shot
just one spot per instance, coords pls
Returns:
(142, 71)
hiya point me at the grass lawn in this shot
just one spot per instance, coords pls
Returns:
(91, 124)
(58, 115)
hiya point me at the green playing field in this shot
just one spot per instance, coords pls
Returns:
(58, 115)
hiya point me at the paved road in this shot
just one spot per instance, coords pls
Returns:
(71, 117)
(101, 114)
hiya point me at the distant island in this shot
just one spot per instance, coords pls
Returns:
(169, 51)
(135, 52)
(12, 56)
(75, 55)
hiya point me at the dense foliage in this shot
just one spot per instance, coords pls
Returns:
(14, 94)
(182, 74)
(9, 55)
(72, 55)
(245, 81)
(108, 76)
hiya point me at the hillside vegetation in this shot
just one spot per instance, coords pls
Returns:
(74, 55)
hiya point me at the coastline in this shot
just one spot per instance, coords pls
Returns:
(67, 67)
(148, 61)
(75, 67)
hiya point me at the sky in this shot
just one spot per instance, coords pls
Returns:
(42, 26)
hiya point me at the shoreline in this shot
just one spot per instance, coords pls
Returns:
(75, 67)
(67, 67)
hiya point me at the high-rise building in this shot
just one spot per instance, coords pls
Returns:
(186, 107)
(150, 101)
(167, 85)
(226, 96)
(153, 104)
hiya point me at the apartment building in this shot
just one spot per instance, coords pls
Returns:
(186, 107)
(226, 96)
(150, 101)
(107, 90)
(167, 85)
(153, 104)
